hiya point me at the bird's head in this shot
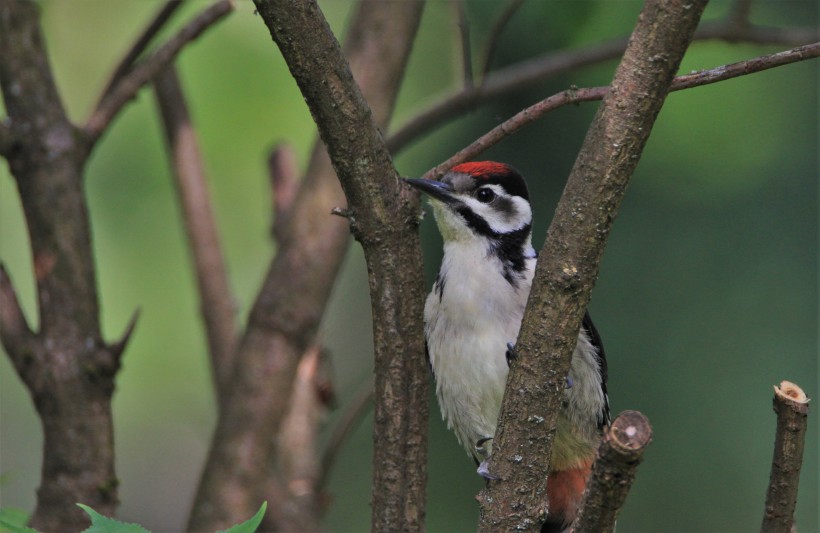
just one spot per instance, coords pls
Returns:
(483, 199)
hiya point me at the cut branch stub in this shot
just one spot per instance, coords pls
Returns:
(792, 408)
(619, 455)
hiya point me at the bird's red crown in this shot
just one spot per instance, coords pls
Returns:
(482, 168)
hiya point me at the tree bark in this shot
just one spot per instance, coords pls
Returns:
(312, 245)
(384, 221)
(66, 366)
(792, 408)
(620, 453)
(568, 263)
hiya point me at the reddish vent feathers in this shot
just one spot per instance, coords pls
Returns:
(482, 168)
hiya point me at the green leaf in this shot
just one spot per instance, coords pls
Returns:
(14, 521)
(103, 524)
(250, 525)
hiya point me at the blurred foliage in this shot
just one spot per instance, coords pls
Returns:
(707, 295)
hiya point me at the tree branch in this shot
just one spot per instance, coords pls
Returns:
(112, 101)
(569, 261)
(215, 298)
(15, 333)
(464, 40)
(285, 184)
(298, 452)
(384, 222)
(495, 34)
(289, 307)
(590, 94)
(503, 82)
(348, 421)
(141, 44)
(613, 472)
(792, 407)
(7, 140)
(67, 366)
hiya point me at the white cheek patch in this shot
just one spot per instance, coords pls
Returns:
(516, 216)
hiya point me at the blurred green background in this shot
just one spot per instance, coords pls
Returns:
(707, 295)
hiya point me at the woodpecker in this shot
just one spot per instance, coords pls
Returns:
(472, 317)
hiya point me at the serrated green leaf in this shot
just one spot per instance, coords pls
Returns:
(103, 524)
(14, 521)
(248, 526)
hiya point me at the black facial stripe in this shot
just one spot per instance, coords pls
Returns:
(474, 221)
(508, 247)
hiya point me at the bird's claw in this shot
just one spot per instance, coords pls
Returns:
(484, 470)
(511, 354)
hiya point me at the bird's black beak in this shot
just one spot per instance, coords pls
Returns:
(435, 189)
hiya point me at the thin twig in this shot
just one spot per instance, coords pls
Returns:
(495, 34)
(576, 95)
(349, 420)
(141, 44)
(216, 299)
(613, 472)
(284, 182)
(792, 407)
(466, 47)
(127, 87)
(503, 82)
(739, 13)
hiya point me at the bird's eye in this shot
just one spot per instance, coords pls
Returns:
(485, 195)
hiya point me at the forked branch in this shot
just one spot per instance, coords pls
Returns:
(590, 94)
(569, 261)
(126, 87)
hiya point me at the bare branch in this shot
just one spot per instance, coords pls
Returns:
(15, 332)
(286, 314)
(503, 82)
(141, 44)
(72, 398)
(466, 46)
(215, 298)
(613, 472)
(284, 182)
(7, 140)
(569, 261)
(349, 420)
(750, 66)
(576, 95)
(495, 34)
(739, 13)
(792, 407)
(126, 88)
(385, 218)
(298, 450)
(500, 83)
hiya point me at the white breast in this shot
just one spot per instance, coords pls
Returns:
(468, 323)
(468, 327)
